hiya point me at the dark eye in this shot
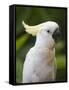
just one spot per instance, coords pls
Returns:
(48, 31)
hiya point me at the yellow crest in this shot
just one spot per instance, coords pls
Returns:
(31, 29)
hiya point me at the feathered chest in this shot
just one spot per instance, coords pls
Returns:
(45, 55)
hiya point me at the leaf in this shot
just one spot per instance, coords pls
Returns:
(21, 41)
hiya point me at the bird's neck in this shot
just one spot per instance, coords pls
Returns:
(44, 43)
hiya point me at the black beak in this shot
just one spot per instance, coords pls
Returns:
(56, 35)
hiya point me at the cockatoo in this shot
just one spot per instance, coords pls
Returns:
(40, 62)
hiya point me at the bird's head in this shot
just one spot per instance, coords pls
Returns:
(50, 29)
(47, 29)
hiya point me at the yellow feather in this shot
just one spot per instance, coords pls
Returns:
(31, 29)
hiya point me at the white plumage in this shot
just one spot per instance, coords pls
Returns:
(40, 62)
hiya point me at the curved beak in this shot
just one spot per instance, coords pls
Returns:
(56, 35)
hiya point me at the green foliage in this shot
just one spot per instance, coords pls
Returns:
(61, 68)
(21, 41)
(33, 16)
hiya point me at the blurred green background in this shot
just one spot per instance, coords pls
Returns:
(24, 41)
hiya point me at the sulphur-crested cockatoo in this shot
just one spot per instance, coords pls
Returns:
(40, 62)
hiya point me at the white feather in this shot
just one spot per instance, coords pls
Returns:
(39, 65)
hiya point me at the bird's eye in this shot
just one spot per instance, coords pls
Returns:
(48, 31)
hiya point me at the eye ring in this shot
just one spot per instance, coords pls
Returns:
(48, 31)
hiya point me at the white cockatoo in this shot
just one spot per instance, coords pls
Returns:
(40, 62)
